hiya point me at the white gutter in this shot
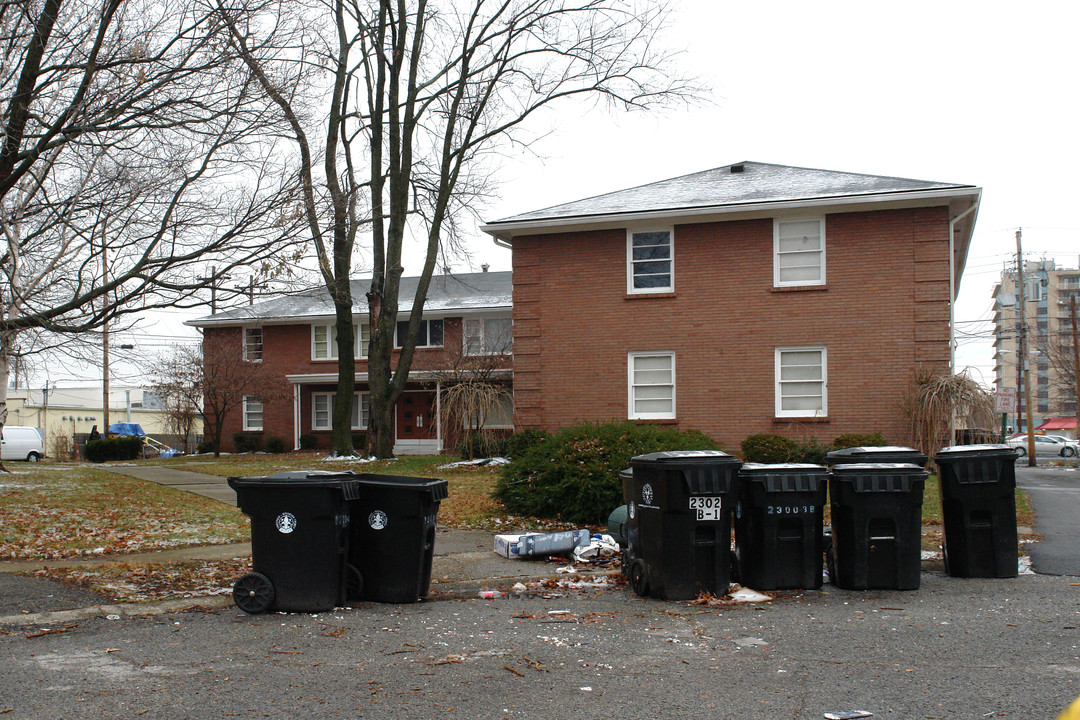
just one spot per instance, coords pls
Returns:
(952, 283)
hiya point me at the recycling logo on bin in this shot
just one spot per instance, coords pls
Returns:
(377, 520)
(285, 523)
(647, 493)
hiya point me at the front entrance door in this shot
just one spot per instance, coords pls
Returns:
(416, 415)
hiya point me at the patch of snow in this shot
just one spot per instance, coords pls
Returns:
(932, 555)
(350, 458)
(477, 462)
(1024, 566)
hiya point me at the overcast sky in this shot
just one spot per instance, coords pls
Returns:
(964, 92)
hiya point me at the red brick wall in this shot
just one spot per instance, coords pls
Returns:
(883, 311)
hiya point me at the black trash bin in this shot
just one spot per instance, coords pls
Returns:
(393, 537)
(871, 454)
(679, 523)
(778, 526)
(876, 525)
(978, 503)
(299, 540)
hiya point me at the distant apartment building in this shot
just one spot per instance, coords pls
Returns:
(1047, 320)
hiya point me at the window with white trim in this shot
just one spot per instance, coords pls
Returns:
(498, 417)
(650, 264)
(253, 413)
(487, 336)
(430, 335)
(799, 252)
(324, 341)
(801, 382)
(322, 411)
(651, 385)
(253, 344)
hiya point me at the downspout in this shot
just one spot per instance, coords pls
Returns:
(296, 416)
(952, 283)
(502, 243)
(952, 303)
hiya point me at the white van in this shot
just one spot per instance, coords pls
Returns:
(21, 443)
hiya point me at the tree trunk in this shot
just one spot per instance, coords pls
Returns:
(341, 438)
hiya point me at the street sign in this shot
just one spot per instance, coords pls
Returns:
(1006, 400)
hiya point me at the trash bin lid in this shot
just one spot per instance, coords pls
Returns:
(876, 467)
(298, 478)
(967, 452)
(762, 468)
(435, 486)
(884, 453)
(675, 456)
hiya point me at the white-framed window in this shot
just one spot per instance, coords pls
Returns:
(430, 335)
(324, 341)
(651, 385)
(500, 417)
(253, 413)
(322, 411)
(650, 261)
(253, 344)
(799, 252)
(487, 336)
(802, 382)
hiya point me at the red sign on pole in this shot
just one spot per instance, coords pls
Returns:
(1006, 400)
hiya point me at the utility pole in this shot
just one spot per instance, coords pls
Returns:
(1022, 378)
(1076, 360)
(104, 342)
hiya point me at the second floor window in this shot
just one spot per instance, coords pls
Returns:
(798, 252)
(324, 341)
(649, 261)
(253, 344)
(430, 335)
(487, 336)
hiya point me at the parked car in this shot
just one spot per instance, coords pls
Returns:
(1045, 445)
(20, 442)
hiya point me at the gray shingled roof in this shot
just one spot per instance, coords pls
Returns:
(723, 188)
(446, 294)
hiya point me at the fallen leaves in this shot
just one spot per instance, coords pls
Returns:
(127, 582)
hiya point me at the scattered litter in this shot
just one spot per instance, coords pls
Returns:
(586, 689)
(540, 544)
(599, 546)
(567, 569)
(750, 642)
(492, 594)
(520, 588)
(112, 617)
(848, 715)
(747, 595)
(479, 462)
(1023, 566)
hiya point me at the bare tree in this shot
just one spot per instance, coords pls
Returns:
(176, 378)
(934, 401)
(420, 95)
(476, 385)
(136, 150)
(218, 380)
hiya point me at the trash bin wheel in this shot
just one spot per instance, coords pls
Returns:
(639, 578)
(253, 593)
(354, 583)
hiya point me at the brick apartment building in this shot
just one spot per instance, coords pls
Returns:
(466, 324)
(748, 298)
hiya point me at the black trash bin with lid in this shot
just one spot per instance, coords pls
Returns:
(978, 503)
(679, 524)
(392, 539)
(299, 540)
(873, 454)
(778, 526)
(876, 525)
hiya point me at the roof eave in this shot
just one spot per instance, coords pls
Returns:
(507, 230)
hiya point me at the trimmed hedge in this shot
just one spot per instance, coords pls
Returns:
(116, 447)
(768, 448)
(309, 441)
(859, 440)
(247, 442)
(275, 445)
(573, 474)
